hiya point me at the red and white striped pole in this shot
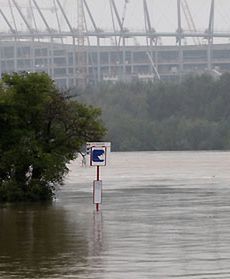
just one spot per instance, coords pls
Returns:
(98, 178)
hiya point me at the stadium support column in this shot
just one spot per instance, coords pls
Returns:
(98, 61)
(51, 55)
(109, 63)
(15, 57)
(123, 60)
(32, 56)
(74, 63)
(179, 39)
(156, 54)
(149, 29)
(210, 35)
(87, 64)
(132, 62)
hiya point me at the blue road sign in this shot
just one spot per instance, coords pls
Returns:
(98, 156)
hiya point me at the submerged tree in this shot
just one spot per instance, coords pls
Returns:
(41, 132)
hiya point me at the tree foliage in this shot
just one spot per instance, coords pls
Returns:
(191, 115)
(41, 131)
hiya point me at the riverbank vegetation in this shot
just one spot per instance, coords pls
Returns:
(41, 131)
(191, 115)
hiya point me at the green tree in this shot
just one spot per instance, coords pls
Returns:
(41, 132)
(189, 115)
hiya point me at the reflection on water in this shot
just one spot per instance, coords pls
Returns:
(165, 215)
(35, 241)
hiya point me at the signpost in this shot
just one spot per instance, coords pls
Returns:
(98, 152)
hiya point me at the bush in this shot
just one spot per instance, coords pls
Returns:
(41, 132)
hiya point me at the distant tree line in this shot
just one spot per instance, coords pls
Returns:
(191, 115)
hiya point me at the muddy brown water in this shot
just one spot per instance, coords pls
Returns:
(164, 215)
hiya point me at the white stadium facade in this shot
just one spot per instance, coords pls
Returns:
(77, 42)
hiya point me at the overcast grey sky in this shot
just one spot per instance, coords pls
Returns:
(163, 14)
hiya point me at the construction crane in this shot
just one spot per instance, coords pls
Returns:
(148, 26)
(123, 17)
(29, 11)
(189, 20)
(80, 23)
(124, 12)
(120, 20)
(81, 54)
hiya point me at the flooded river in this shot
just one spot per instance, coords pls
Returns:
(164, 215)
